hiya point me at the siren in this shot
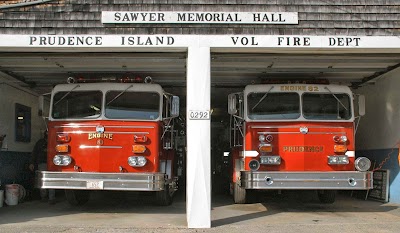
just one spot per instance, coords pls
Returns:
(71, 80)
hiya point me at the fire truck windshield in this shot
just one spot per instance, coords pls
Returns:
(273, 106)
(328, 106)
(77, 104)
(284, 106)
(132, 105)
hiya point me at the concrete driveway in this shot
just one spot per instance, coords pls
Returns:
(129, 212)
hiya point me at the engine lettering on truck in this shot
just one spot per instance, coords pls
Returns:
(100, 135)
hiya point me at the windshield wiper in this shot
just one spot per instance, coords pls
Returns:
(66, 94)
(262, 98)
(336, 98)
(117, 96)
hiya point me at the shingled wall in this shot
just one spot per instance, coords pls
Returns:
(316, 17)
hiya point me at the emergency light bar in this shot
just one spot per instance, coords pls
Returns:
(125, 79)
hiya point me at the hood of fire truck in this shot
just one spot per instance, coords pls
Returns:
(107, 150)
(302, 146)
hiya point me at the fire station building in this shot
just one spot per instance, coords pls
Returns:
(202, 51)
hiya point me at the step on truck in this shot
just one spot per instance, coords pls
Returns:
(111, 136)
(295, 137)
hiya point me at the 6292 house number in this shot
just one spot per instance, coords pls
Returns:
(199, 115)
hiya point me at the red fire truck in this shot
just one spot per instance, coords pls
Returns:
(295, 136)
(111, 136)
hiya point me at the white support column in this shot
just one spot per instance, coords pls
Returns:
(198, 180)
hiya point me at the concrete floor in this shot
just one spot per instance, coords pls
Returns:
(128, 212)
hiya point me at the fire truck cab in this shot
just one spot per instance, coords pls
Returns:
(111, 136)
(298, 137)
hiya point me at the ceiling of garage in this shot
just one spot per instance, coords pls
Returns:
(230, 72)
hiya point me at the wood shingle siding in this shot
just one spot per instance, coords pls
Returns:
(316, 17)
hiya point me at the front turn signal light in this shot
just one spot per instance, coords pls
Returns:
(340, 148)
(138, 149)
(62, 148)
(265, 148)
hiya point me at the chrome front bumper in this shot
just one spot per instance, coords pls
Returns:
(307, 180)
(100, 181)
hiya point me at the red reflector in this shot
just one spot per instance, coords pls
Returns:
(63, 137)
(141, 138)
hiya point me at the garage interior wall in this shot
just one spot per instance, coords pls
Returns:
(16, 155)
(12, 95)
(378, 135)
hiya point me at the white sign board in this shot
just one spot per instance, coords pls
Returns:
(212, 41)
(173, 17)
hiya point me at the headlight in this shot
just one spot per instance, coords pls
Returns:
(62, 160)
(261, 138)
(57, 160)
(362, 164)
(137, 161)
(271, 160)
(338, 160)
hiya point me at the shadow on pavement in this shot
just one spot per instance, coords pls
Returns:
(306, 202)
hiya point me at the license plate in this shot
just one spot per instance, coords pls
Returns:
(94, 184)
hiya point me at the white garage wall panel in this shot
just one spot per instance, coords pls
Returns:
(379, 128)
(378, 135)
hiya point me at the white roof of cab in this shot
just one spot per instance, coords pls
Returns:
(104, 87)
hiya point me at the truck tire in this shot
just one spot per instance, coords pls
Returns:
(164, 197)
(327, 196)
(77, 197)
(239, 194)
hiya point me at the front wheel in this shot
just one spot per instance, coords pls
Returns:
(164, 197)
(327, 196)
(77, 197)
(239, 194)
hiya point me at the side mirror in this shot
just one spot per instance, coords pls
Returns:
(175, 106)
(41, 105)
(232, 100)
(44, 105)
(361, 105)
